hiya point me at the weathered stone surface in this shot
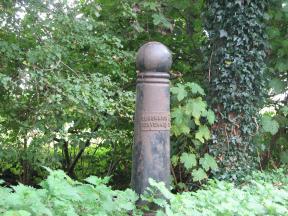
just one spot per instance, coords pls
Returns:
(151, 150)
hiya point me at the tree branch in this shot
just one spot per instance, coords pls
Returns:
(65, 151)
(70, 170)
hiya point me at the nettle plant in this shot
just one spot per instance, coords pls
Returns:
(60, 195)
(191, 119)
(261, 194)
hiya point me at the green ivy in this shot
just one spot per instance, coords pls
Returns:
(236, 75)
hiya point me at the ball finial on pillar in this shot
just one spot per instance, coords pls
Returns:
(153, 57)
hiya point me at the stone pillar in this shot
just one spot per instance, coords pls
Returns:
(151, 150)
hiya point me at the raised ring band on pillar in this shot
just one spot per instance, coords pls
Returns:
(153, 77)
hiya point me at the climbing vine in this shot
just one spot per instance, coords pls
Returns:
(237, 44)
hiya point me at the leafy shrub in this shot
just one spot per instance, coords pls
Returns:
(60, 195)
(191, 120)
(262, 194)
(258, 197)
(272, 139)
(277, 177)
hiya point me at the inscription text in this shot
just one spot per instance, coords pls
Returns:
(155, 121)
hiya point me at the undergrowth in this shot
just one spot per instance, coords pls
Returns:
(261, 194)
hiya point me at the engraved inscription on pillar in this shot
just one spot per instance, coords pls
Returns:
(150, 121)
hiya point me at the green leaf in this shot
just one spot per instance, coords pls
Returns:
(277, 85)
(180, 4)
(180, 92)
(182, 185)
(181, 129)
(208, 162)
(203, 133)
(174, 160)
(197, 143)
(151, 5)
(189, 160)
(160, 19)
(199, 174)
(96, 180)
(281, 66)
(195, 107)
(284, 157)
(180, 123)
(269, 125)
(161, 187)
(210, 116)
(284, 110)
(195, 88)
(17, 213)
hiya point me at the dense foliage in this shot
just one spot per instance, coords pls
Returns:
(263, 194)
(62, 90)
(67, 83)
(273, 137)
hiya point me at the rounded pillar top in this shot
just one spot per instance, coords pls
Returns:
(153, 57)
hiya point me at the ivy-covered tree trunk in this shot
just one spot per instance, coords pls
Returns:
(237, 45)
